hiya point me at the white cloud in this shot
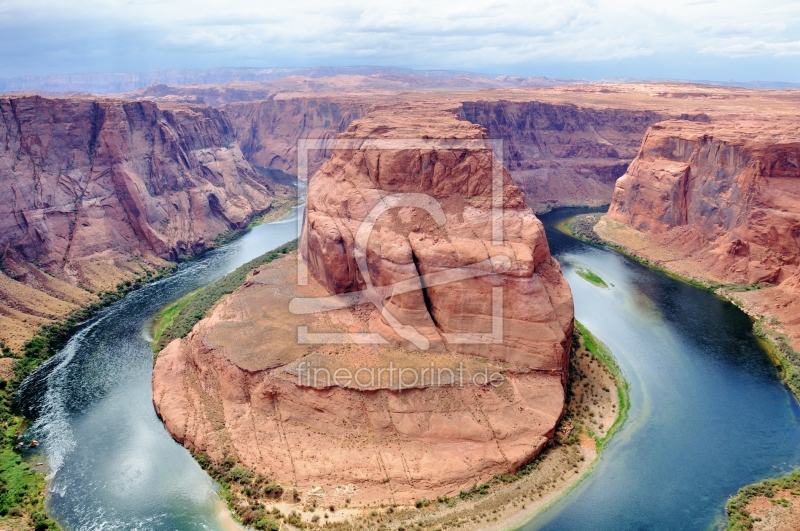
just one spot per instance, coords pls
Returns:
(429, 34)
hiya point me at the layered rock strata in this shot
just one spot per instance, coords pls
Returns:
(723, 196)
(450, 340)
(268, 131)
(93, 191)
(559, 153)
(562, 154)
(717, 202)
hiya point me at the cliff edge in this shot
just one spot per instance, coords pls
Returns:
(718, 202)
(96, 191)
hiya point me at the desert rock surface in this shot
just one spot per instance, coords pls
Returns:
(246, 384)
(95, 191)
(718, 202)
(723, 195)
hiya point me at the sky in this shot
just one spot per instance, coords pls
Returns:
(675, 39)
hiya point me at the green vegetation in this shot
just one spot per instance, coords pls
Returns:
(20, 485)
(165, 317)
(779, 347)
(739, 518)
(582, 228)
(591, 277)
(197, 306)
(238, 482)
(602, 353)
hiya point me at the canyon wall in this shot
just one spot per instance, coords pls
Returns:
(720, 203)
(560, 153)
(95, 191)
(563, 154)
(405, 275)
(725, 196)
(268, 130)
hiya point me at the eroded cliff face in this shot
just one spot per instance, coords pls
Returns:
(723, 196)
(95, 191)
(562, 154)
(268, 130)
(456, 345)
(718, 202)
(559, 152)
(413, 243)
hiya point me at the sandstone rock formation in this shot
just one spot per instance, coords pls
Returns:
(723, 196)
(477, 331)
(268, 130)
(564, 145)
(559, 152)
(563, 154)
(718, 202)
(93, 191)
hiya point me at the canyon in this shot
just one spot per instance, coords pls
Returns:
(98, 190)
(718, 203)
(146, 159)
(95, 192)
(451, 301)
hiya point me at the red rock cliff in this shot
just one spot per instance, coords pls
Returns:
(563, 154)
(559, 152)
(725, 196)
(719, 202)
(92, 189)
(268, 130)
(404, 246)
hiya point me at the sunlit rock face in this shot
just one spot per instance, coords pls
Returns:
(724, 195)
(719, 201)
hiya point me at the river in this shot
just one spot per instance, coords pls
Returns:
(112, 463)
(708, 413)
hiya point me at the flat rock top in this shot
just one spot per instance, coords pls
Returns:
(739, 132)
(417, 120)
(257, 331)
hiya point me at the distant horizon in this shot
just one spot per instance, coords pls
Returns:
(187, 76)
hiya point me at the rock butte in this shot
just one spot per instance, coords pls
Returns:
(237, 385)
